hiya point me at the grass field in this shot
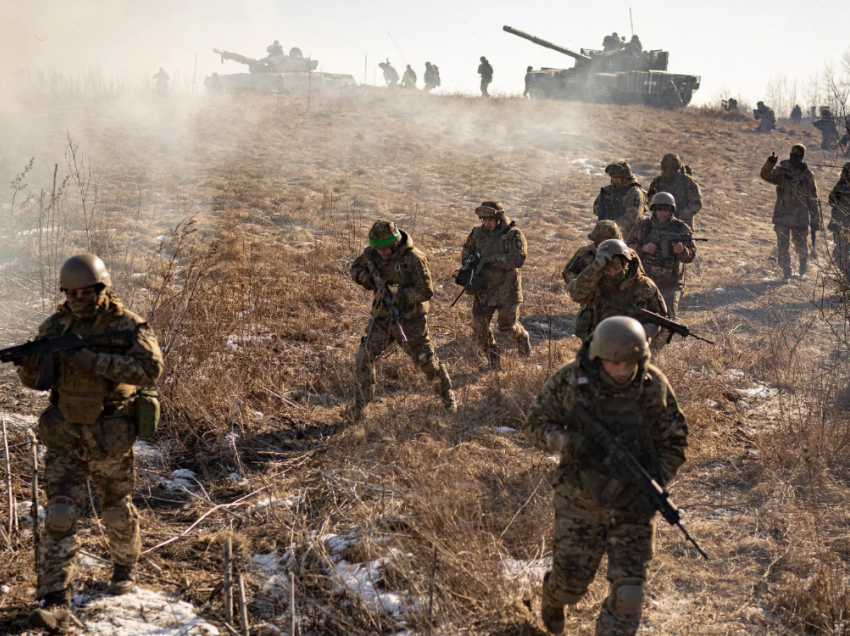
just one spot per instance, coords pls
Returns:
(231, 223)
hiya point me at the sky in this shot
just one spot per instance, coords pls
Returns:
(734, 46)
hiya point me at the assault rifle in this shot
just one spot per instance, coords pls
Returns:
(48, 347)
(468, 275)
(623, 467)
(383, 293)
(646, 316)
(665, 240)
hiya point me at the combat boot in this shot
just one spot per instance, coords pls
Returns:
(786, 273)
(524, 345)
(450, 401)
(55, 615)
(123, 580)
(551, 612)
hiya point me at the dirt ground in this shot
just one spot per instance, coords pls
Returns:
(272, 200)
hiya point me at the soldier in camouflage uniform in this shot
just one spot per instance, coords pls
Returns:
(664, 260)
(828, 130)
(623, 201)
(595, 514)
(796, 208)
(505, 250)
(765, 117)
(676, 179)
(615, 275)
(404, 270)
(839, 224)
(89, 430)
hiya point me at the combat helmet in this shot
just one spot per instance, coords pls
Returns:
(83, 270)
(671, 163)
(615, 247)
(619, 339)
(663, 198)
(760, 104)
(619, 169)
(384, 234)
(491, 210)
(604, 230)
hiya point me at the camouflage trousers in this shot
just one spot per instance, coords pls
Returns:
(104, 452)
(507, 322)
(582, 536)
(841, 253)
(485, 83)
(672, 296)
(784, 236)
(383, 335)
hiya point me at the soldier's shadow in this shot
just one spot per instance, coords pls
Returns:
(553, 327)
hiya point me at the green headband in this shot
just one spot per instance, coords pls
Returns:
(384, 242)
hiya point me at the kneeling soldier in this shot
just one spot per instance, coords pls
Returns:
(391, 261)
(89, 430)
(502, 249)
(595, 514)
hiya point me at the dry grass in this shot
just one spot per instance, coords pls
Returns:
(260, 326)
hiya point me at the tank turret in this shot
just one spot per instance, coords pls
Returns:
(624, 76)
(272, 64)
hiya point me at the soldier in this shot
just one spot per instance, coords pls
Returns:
(504, 249)
(764, 115)
(594, 514)
(161, 79)
(88, 430)
(732, 105)
(634, 46)
(623, 201)
(390, 74)
(676, 179)
(528, 80)
(485, 70)
(839, 224)
(828, 130)
(409, 78)
(431, 77)
(664, 258)
(274, 49)
(796, 206)
(615, 275)
(401, 266)
(796, 114)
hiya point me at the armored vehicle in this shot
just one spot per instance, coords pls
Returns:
(275, 73)
(623, 76)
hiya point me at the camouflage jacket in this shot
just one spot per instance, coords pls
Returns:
(828, 129)
(644, 416)
(122, 363)
(590, 288)
(624, 204)
(405, 274)
(764, 113)
(839, 199)
(485, 70)
(581, 259)
(501, 273)
(665, 267)
(796, 194)
(684, 189)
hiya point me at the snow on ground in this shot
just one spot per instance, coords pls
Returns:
(140, 613)
(526, 573)
(18, 422)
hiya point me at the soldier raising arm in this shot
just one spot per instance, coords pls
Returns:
(623, 201)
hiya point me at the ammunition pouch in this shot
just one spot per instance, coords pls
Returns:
(466, 276)
(81, 408)
(147, 413)
(584, 322)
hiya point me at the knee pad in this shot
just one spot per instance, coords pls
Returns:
(118, 518)
(626, 598)
(61, 515)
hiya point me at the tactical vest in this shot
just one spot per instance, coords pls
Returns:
(663, 267)
(81, 397)
(611, 202)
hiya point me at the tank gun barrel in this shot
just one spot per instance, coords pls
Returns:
(544, 43)
(255, 66)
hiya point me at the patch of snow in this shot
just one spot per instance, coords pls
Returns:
(524, 572)
(744, 404)
(161, 238)
(25, 513)
(265, 502)
(141, 613)
(18, 422)
(179, 480)
(554, 459)
(364, 581)
(234, 341)
(735, 373)
(759, 391)
(719, 290)
(503, 429)
(711, 403)
(147, 453)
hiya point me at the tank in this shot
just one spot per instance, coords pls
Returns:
(275, 74)
(614, 77)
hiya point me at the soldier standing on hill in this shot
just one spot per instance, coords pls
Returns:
(595, 514)
(623, 201)
(796, 114)
(161, 79)
(390, 74)
(828, 130)
(764, 115)
(615, 275)
(431, 77)
(398, 274)
(502, 248)
(796, 206)
(528, 80)
(274, 49)
(89, 430)
(839, 224)
(409, 79)
(485, 70)
(677, 180)
(664, 258)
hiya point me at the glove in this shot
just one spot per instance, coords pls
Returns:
(590, 454)
(83, 360)
(773, 158)
(602, 258)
